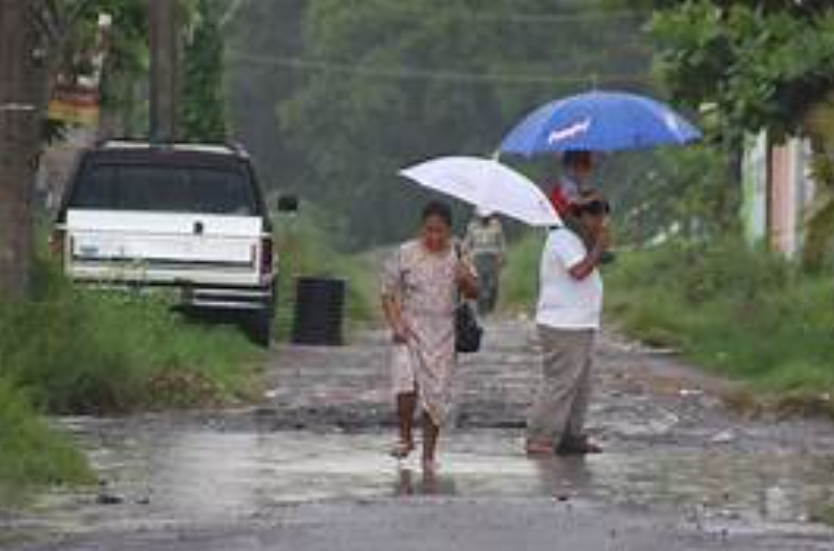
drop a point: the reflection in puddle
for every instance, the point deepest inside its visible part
(426, 483)
(203, 475)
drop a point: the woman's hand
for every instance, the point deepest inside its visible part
(400, 333)
(466, 280)
(462, 274)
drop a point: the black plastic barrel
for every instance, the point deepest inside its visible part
(319, 311)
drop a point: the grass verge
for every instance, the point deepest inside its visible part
(739, 312)
(81, 351)
(31, 453)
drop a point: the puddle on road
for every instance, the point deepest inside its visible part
(173, 475)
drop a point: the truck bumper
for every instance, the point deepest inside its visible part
(228, 298)
(244, 298)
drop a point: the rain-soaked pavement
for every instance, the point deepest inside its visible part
(307, 469)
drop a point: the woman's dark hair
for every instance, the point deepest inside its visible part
(439, 209)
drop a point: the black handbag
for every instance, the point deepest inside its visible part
(468, 332)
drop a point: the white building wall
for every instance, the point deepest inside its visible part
(754, 186)
(778, 189)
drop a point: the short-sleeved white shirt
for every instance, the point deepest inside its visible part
(566, 302)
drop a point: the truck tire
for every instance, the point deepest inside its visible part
(259, 327)
(258, 324)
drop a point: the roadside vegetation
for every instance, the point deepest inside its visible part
(738, 311)
(31, 453)
(82, 351)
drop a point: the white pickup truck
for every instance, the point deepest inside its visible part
(183, 216)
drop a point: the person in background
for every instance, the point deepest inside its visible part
(486, 245)
(421, 286)
(568, 318)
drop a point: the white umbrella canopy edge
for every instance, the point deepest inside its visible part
(488, 185)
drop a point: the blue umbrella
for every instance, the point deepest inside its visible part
(598, 121)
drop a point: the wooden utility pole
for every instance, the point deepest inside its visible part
(22, 62)
(164, 69)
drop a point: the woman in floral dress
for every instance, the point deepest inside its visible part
(421, 286)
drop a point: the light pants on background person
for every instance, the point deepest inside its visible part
(562, 402)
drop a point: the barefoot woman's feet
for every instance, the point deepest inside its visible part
(430, 466)
(402, 449)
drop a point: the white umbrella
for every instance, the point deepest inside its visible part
(487, 184)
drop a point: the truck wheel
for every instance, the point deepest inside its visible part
(259, 327)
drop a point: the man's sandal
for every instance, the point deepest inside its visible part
(539, 449)
(578, 445)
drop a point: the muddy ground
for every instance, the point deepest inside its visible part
(307, 468)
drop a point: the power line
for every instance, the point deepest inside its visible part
(412, 73)
(542, 18)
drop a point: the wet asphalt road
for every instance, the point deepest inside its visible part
(307, 469)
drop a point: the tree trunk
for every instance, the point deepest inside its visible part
(21, 106)
(818, 236)
(164, 70)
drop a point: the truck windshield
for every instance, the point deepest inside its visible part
(139, 187)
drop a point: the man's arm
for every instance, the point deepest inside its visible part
(592, 260)
(587, 266)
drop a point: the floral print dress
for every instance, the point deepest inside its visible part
(424, 283)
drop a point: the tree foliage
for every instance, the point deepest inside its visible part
(125, 75)
(765, 65)
(203, 110)
(762, 65)
(378, 84)
(672, 192)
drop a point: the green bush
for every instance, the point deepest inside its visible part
(740, 311)
(84, 351)
(32, 454)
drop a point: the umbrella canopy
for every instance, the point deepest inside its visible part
(598, 121)
(488, 185)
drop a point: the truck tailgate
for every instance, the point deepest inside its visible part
(161, 247)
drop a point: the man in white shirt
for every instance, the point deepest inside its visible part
(568, 318)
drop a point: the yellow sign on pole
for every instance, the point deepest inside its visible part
(75, 100)
(74, 105)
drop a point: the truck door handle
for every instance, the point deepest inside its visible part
(199, 228)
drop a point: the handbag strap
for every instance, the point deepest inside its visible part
(459, 256)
